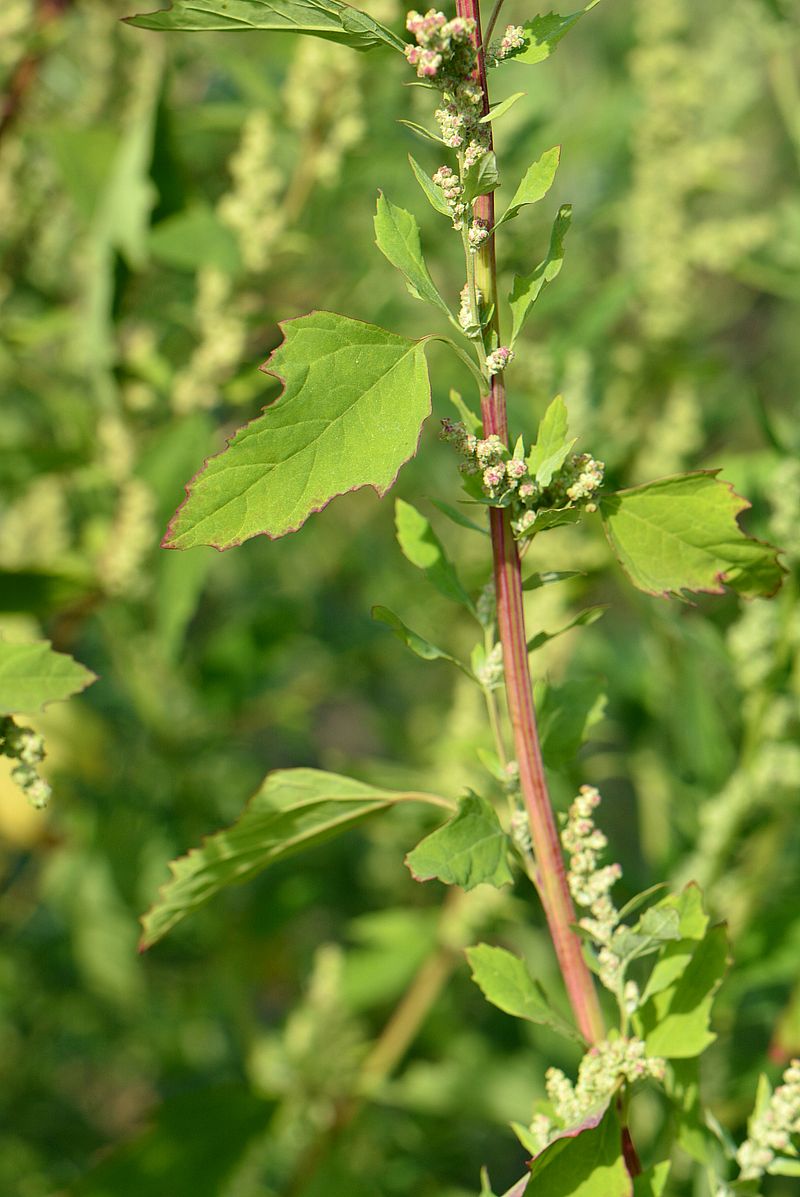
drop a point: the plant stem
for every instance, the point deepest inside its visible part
(553, 887)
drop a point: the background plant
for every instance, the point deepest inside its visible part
(169, 802)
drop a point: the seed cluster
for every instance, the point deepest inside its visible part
(590, 885)
(505, 478)
(513, 39)
(771, 1132)
(26, 747)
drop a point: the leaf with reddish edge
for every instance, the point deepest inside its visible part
(681, 534)
(584, 1161)
(354, 400)
(34, 674)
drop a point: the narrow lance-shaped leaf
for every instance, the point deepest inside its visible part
(543, 33)
(527, 288)
(681, 533)
(552, 446)
(502, 108)
(32, 675)
(294, 809)
(432, 193)
(354, 400)
(328, 19)
(418, 644)
(422, 547)
(471, 849)
(582, 620)
(397, 237)
(505, 981)
(536, 182)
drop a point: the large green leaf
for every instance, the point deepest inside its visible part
(354, 399)
(321, 18)
(470, 849)
(585, 1161)
(422, 547)
(293, 810)
(527, 288)
(505, 981)
(681, 533)
(543, 33)
(535, 184)
(32, 675)
(397, 237)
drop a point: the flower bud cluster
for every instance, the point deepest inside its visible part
(599, 1073)
(512, 40)
(453, 193)
(469, 321)
(26, 747)
(771, 1132)
(478, 233)
(497, 361)
(589, 884)
(443, 47)
(508, 482)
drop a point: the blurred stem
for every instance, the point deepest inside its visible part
(25, 72)
(553, 887)
(492, 21)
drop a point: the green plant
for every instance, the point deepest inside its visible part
(672, 536)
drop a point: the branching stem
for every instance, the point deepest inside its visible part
(551, 874)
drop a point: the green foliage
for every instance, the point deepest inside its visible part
(505, 981)
(293, 810)
(583, 1163)
(542, 34)
(431, 192)
(422, 547)
(527, 288)
(397, 237)
(470, 849)
(344, 382)
(481, 178)
(33, 675)
(551, 448)
(320, 18)
(534, 185)
(418, 644)
(682, 534)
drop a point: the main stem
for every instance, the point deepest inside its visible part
(551, 875)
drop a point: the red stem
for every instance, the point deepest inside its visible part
(552, 881)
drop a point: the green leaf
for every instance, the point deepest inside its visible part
(472, 422)
(421, 546)
(421, 647)
(551, 517)
(505, 981)
(196, 237)
(566, 713)
(527, 288)
(534, 581)
(536, 182)
(674, 1022)
(320, 18)
(681, 533)
(421, 131)
(458, 517)
(471, 849)
(781, 1166)
(32, 675)
(584, 619)
(432, 193)
(502, 108)
(354, 399)
(653, 1181)
(481, 178)
(543, 33)
(552, 447)
(293, 810)
(397, 237)
(586, 1161)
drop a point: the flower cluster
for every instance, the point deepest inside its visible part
(453, 193)
(771, 1131)
(589, 884)
(26, 747)
(512, 40)
(599, 1073)
(498, 359)
(469, 321)
(505, 478)
(478, 233)
(443, 47)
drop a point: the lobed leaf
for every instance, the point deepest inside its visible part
(470, 849)
(535, 184)
(354, 400)
(293, 810)
(33, 675)
(397, 237)
(543, 33)
(505, 981)
(527, 288)
(421, 546)
(329, 19)
(681, 533)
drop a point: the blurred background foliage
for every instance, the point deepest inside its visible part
(164, 202)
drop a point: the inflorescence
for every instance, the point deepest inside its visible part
(504, 478)
(589, 884)
(771, 1131)
(512, 41)
(26, 747)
